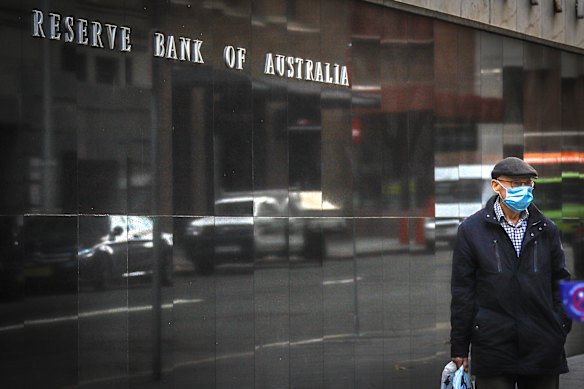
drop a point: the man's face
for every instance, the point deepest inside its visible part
(501, 184)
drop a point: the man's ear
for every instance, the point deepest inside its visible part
(495, 186)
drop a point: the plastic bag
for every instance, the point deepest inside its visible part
(461, 379)
(453, 378)
(448, 375)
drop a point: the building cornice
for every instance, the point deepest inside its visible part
(552, 23)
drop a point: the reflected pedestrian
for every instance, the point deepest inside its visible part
(506, 307)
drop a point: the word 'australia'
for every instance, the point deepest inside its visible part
(306, 69)
(80, 31)
(185, 50)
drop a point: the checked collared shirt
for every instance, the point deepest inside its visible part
(515, 232)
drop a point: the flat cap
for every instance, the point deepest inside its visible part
(513, 167)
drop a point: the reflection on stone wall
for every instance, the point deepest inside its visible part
(190, 225)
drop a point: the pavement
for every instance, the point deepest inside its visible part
(575, 378)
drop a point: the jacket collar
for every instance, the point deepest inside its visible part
(535, 215)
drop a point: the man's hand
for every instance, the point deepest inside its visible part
(461, 361)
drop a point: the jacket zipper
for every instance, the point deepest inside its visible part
(535, 264)
(497, 255)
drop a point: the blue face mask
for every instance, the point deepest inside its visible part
(518, 199)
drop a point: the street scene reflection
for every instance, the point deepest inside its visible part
(365, 290)
(56, 250)
(234, 241)
(165, 223)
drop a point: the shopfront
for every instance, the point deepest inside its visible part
(258, 194)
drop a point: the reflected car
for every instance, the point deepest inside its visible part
(212, 240)
(125, 251)
(100, 253)
(266, 238)
(440, 232)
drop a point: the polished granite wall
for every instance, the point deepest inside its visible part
(172, 224)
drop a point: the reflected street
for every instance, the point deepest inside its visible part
(208, 325)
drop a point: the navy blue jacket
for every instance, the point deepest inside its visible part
(508, 308)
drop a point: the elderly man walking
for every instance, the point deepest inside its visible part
(506, 307)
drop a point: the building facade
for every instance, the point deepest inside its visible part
(264, 194)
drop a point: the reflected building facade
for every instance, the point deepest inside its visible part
(188, 218)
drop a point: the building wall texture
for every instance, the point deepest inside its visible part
(552, 21)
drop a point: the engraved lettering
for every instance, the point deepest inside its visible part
(82, 38)
(80, 31)
(69, 34)
(234, 57)
(308, 76)
(111, 34)
(240, 57)
(305, 69)
(269, 64)
(344, 76)
(229, 56)
(96, 35)
(290, 66)
(299, 62)
(185, 49)
(37, 24)
(336, 74)
(170, 48)
(54, 26)
(158, 44)
(327, 73)
(318, 72)
(125, 39)
(280, 64)
(198, 57)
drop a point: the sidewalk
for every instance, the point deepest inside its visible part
(575, 378)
